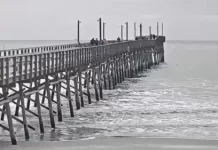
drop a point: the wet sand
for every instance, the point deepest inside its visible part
(117, 144)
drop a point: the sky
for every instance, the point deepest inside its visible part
(57, 19)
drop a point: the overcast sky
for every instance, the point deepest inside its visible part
(57, 19)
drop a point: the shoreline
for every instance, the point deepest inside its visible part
(127, 143)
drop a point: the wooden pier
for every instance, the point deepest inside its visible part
(39, 76)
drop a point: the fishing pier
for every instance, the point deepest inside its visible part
(43, 76)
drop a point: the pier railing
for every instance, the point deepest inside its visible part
(30, 50)
(50, 60)
(20, 51)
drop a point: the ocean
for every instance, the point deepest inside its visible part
(178, 98)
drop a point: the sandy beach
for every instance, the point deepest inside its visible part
(117, 144)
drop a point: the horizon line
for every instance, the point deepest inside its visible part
(88, 40)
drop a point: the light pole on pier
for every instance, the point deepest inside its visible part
(121, 32)
(104, 30)
(140, 30)
(149, 30)
(157, 29)
(78, 34)
(99, 29)
(134, 30)
(127, 30)
(162, 29)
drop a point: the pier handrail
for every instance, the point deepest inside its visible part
(20, 51)
(28, 66)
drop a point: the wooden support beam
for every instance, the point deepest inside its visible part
(109, 74)
(87, 87)
(49, 102)
(18, 102)
(104, 76)
(99, 76)
(9, 117)
(17, 119)
(31, 91)
(85, 81)
(61, 95)
(113, 75)
(4, 127)
(53, 92)
(17, 108)
(131, 66)
(37, 102)
(3, 114)
(28, 97)
(80, 88)
(26, 132)
(44, 95)
(117, 71)
(69, 94)
(43, 106)
(122, 68)
(125, 65)
(94, 81)
(31, 112)
(76, 93)
(58, 91)
(10, 98)
(2, 102)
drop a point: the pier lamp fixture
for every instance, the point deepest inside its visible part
(78, 30)
(134, 30)
(121, 32)
(140, 26)
(127, 31)
(100, 39)
(162, 29)
(104, 30)
(149, 30)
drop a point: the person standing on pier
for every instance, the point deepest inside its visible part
(92, 42)
(118, 39)
(105, 41)
(96, 41)
(154, 36)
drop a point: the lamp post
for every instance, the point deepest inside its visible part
(78, 34)
(121, 32)
(135, 30)
(99, 29)
(162, 29)
(157, 29)
(140, 30)
(127, 30)
(149, 30)
(104, 30)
